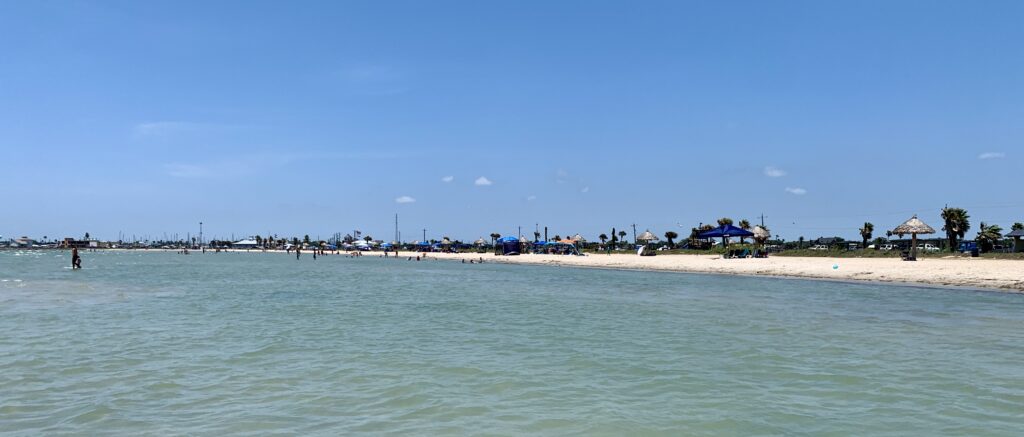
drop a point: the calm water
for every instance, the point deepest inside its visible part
(146, 343)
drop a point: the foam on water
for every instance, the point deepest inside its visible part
(159, 343)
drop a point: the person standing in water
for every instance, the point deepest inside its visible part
(76, 261)
(297, 252)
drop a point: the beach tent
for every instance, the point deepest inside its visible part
(726, 231)
(913, 227)
(507, 246)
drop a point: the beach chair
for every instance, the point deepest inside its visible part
(745, 253)
(905, 256)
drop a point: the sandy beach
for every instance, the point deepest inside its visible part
(962, 272)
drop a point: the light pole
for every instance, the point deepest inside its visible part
(200, 234)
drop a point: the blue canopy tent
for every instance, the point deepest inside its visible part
(726, 231)
(423, 246)
(507, 246)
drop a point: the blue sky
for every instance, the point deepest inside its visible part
(468, 118)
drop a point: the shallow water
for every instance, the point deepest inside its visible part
(160, 343)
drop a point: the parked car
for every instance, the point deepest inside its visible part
(819, 247)
(967, 246)
(888, 247)
(928, 247)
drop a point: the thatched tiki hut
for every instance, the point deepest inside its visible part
(647, 237)
(913, 227)
(761, 235)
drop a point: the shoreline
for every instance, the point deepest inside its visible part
(955, 273)
(1001, 275)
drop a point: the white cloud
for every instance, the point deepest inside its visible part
(992, 155)
(585, 190)
(773, 172)
(448, 178)
(797, 191)
(404, 199)
(531, 198)
(483, 181)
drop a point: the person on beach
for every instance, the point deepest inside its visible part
(76, 261)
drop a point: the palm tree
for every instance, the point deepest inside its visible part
(801, 242)
(259, 240)
(603, 238)
(888, 234)
(671, 236)
(368, 238)
(622, 235)
(558, 238)
(305, 240)
(724, 221)
(1016, 227)
(745, 225)
(494, 236)
(86, 235)
(988, 236)
(957, 224)
(865, 233)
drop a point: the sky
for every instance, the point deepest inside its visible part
(467, 118)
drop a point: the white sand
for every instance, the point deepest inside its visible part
(963, 272)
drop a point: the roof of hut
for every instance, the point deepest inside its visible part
(913, 226)
(647, 236)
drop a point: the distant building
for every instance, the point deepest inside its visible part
(245, 244)
(24, 242)
(828, 241)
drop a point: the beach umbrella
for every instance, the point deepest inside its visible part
(446, 241)
(913, 227)
(480, 242)
(578, 238)
(523, 240)
(647, 236)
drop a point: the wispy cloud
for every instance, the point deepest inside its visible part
(585, 190)
(531, 198)
(188, 171)
(160, 128)
(234, 167)
(774, 172)
(482, 181)
(992, 155)
(561, 176)
(404, 199)
(797, 191)
(448, 179)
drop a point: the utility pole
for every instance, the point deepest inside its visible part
(762, 220)
(396, 228)
(424, 235)
(200, 234)
(634, 233)
(520, 232)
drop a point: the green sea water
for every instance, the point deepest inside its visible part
(261, 344)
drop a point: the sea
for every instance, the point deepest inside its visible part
(146, 343)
